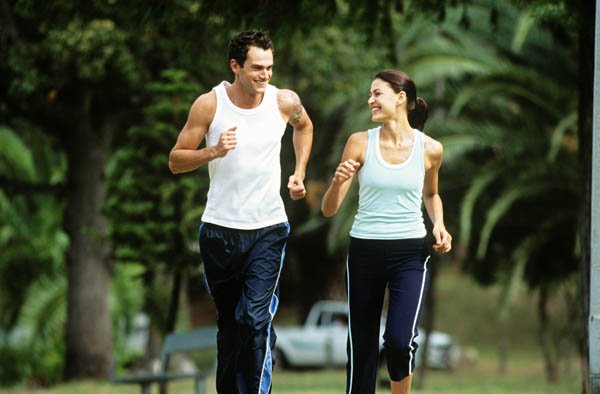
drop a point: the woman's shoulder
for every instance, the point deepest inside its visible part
(433, 148)
(356, 146)
(359, 137)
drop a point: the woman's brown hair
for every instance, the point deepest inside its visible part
(417, 106)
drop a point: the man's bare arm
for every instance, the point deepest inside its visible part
(185, 155)
(294, 113)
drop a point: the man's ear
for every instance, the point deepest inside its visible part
(234, 65)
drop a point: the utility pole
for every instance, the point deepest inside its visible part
(594, 318)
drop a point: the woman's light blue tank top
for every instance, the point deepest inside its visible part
(390, 195)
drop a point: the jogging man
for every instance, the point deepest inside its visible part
(244, 226)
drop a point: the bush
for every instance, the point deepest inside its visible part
(10, 362)
(37, 367)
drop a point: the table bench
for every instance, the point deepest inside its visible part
(178, 342)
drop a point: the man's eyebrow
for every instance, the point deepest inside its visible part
(260, 66)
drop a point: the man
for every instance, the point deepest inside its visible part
(244, 226)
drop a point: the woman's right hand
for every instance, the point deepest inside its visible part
(345, 171)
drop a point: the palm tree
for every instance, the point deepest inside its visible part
(514, 125)
(32, 243)
(32, 246)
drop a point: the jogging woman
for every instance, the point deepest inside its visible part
(397, 166)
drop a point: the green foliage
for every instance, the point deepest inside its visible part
(32, 244)
(90, 51)
(25, 362)
(10, 362)
(52, 71)
(153, 213)
(126, 301)
(276, 16)
(516, 175)
(16, 159)
(146, 203)
(32, 248)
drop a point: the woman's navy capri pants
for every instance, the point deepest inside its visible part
(373, 265)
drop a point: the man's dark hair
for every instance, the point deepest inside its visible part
(239, 45)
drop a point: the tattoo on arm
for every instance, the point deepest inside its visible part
(289, 102)
(297, 115)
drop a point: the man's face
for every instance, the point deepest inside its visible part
(257, 70)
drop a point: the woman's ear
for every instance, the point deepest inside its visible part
(401, 97)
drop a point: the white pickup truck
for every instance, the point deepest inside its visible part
(321, 341)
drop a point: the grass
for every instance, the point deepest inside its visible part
(464, 309)
(525, 376)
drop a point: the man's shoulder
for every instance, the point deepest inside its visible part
(204, 107)
(206, 101)
(287, 96)
(288, 100)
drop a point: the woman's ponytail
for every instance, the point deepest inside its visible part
(416, 106)
(417, 116)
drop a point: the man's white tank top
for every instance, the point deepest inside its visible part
(390, 195)
(245, 184)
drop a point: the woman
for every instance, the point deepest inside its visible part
(397, 169)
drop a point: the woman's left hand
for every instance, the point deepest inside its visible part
(443, 239)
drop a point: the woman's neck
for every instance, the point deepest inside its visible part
(398, 131)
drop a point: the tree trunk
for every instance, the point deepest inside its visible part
(587, 9)
(546, 342)
(88, 332)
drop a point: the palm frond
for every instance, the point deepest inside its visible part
(525, 23)
(17, 158)
(491, 86)
(478, 186)
(510, 289)
(501, 206)
(10, 212)
(457, 145)
(568, 122)
(45, 309)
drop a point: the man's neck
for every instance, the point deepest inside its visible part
(242, 98)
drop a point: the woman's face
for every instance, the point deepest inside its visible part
(383, 101)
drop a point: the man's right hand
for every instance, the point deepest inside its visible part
(227, 142)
